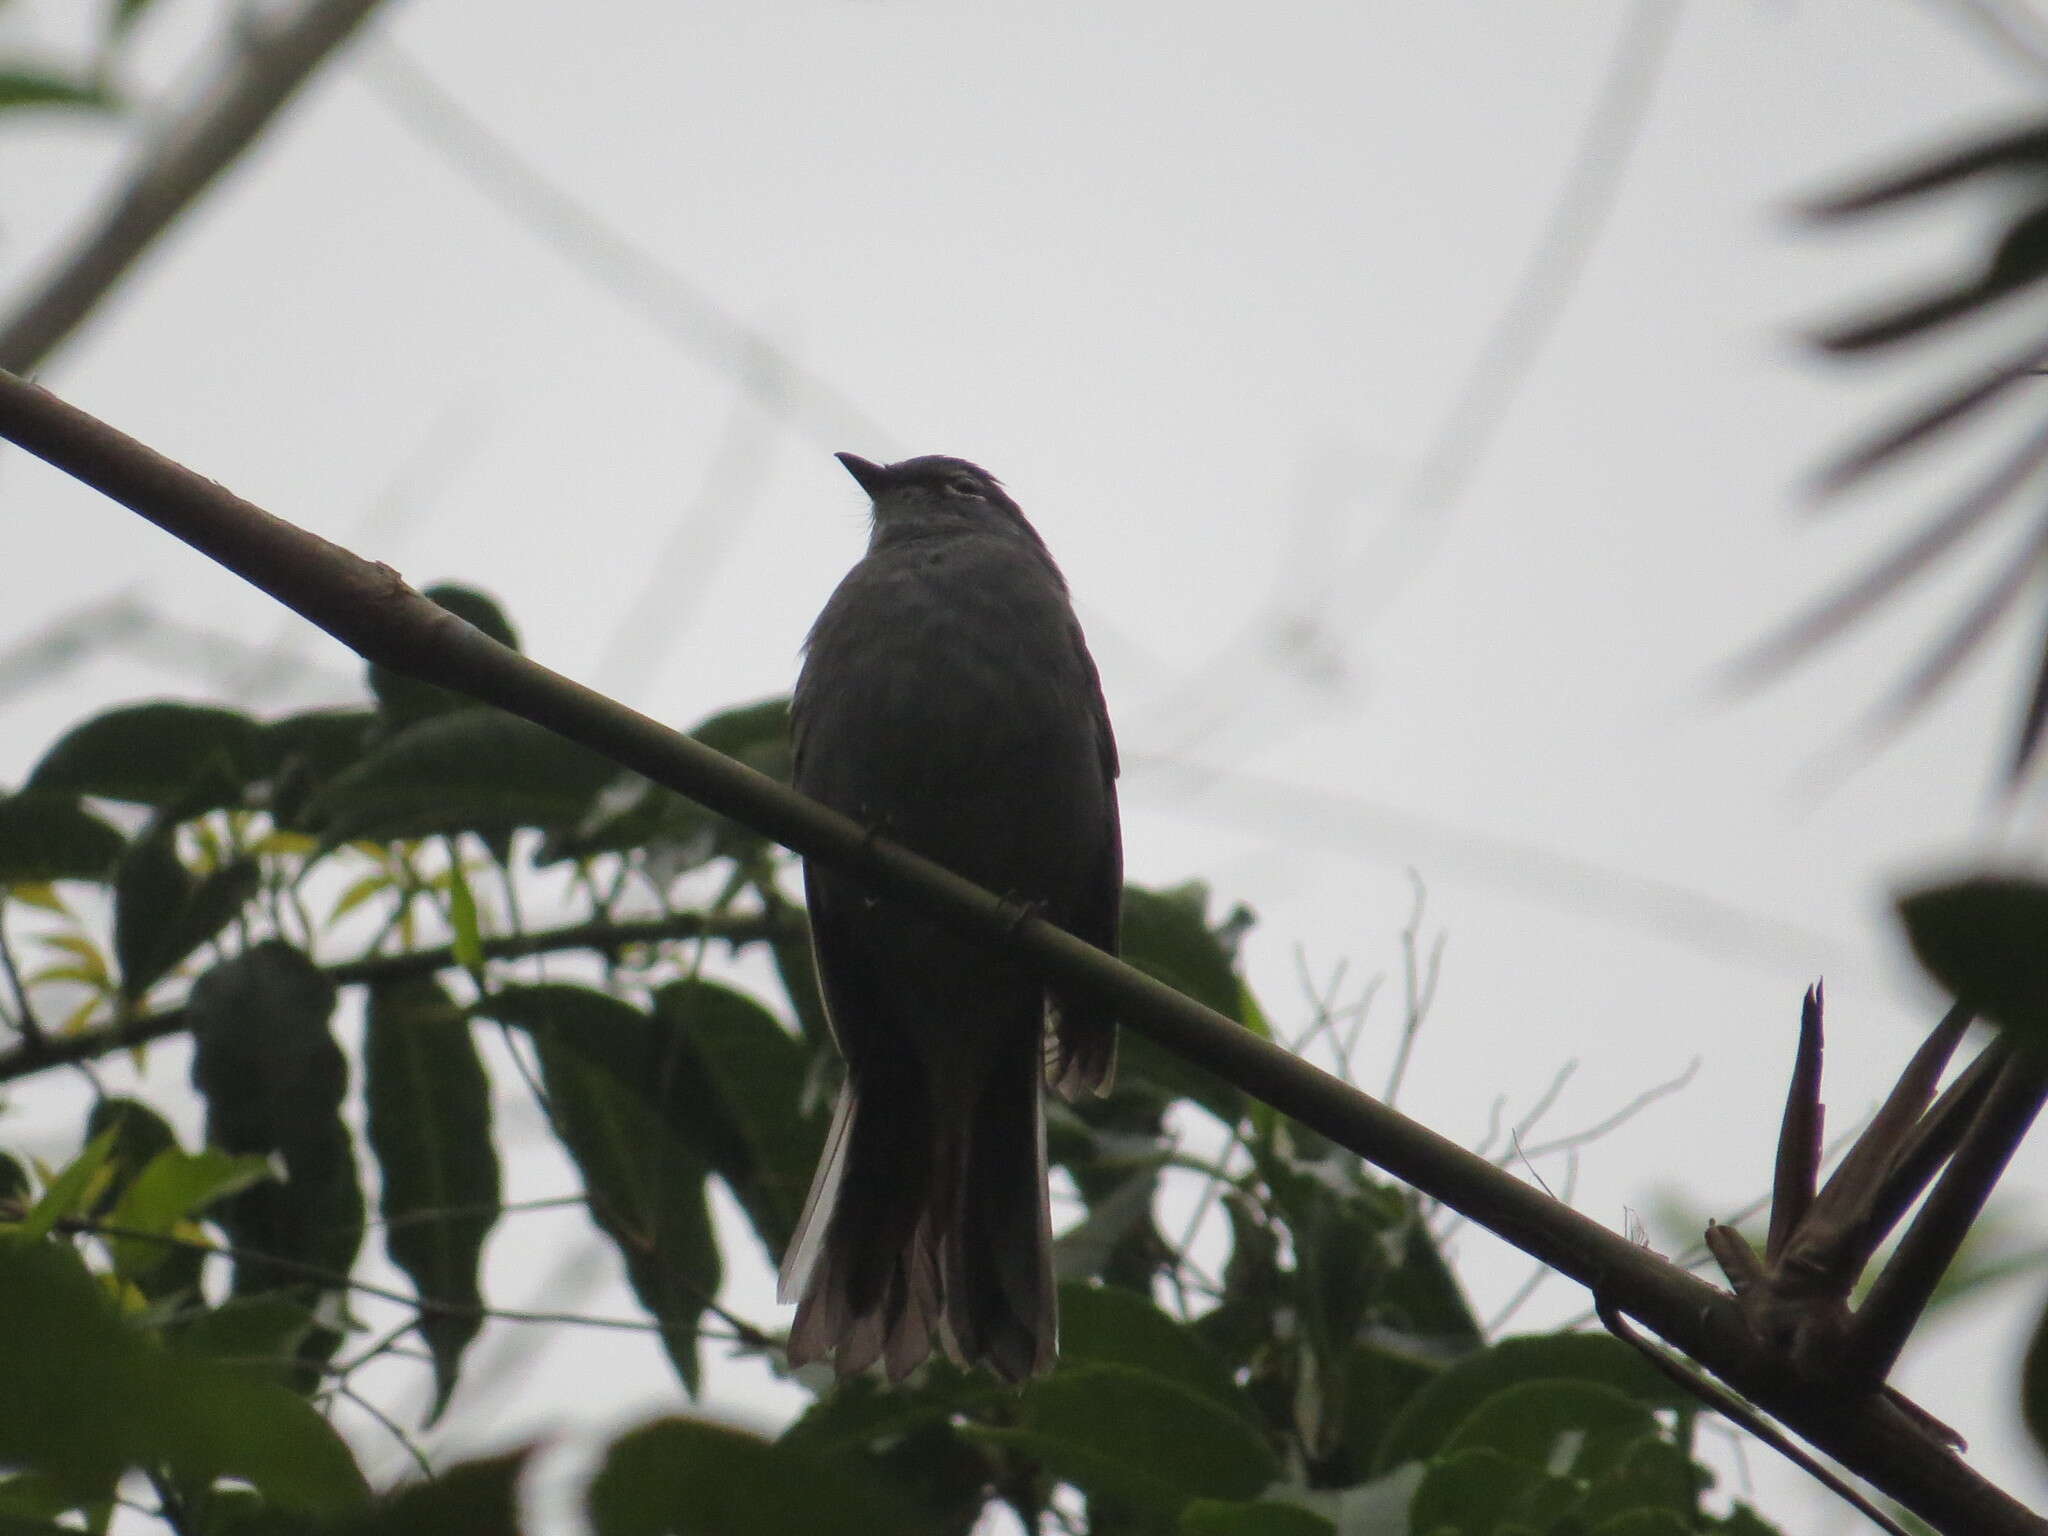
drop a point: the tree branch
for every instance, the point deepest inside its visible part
(263, 68)
(372, 611)
(42, 1051)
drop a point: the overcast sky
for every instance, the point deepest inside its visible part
(1393, 559)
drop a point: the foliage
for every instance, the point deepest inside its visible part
(263, 883)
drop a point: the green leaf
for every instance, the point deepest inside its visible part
(127, 13)
(429, 1105)
(47, 835)
(1107, 1325)
(756, 734)
(686, 1475)
(140, 1133)
(303, 752)
(69, 1194)
(467, 943)
(1429, 1422)
(1127, 1433)
(473, 770)
(1257, 1517)
(173, 1187)
(471, 1498)
(861, 1413)
(191, 756)
(402, 700)
(89, 1394)
(1561, 1427)
(609, 1071)
(1644, 1522)
(735, 1085)
(1482, 1491)
(162, 911)
(261, 1336)
(1651, 1475)
(1167, 935)
(273, 1077)
(1982, 938)
(23, 86)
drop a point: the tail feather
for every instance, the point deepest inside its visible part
(1001, 1306)
(927, 1229)
(854, 1263)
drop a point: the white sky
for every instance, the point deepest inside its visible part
(1202, 289)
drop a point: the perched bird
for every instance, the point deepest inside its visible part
(948, 701)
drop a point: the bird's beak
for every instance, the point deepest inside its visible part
(870, 476)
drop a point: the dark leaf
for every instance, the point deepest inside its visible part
(127, 13)
(1482, 1490)
(88, 1395)
(799, 976)
(162, 911)
(2034, 1385)
(1126, 1433)
(22, 86)
(190, 756)
(471, 770)
(2033, 719)
(261, 1336)
(1930, 421)
(429, 1109)
(632, 814)
(2023, 150)
(48, 835)
(471, 1498)
(756, 734)
(1578, 1428)
(1644, 1522)
(685, 1475)
(1260, 1517)
(402, 700)
(1167, 935)
(140, 1133)
(2020, 261)
(1426, 1427)
(1106, 1325)
(303, 752)
(676, 834)
(273, 1077)
(609, 1072)
(1982, 938)
(1915, 557)
(908, 1432)
(737, 1086)
(1651, 1476)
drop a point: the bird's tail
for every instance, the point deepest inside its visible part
(926, 1230)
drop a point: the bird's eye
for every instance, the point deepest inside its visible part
(962, 485)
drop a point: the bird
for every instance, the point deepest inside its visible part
(947, 700)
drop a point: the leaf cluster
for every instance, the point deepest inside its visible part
(192, 1316)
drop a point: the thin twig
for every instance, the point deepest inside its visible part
(736, 929)
(1734, 1409)
(261, 68)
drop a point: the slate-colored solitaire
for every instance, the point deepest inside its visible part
(948, 701)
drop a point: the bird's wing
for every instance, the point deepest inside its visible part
(1081, 1044)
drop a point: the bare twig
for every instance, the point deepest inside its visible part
(261, 70)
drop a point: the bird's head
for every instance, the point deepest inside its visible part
(936, 495)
